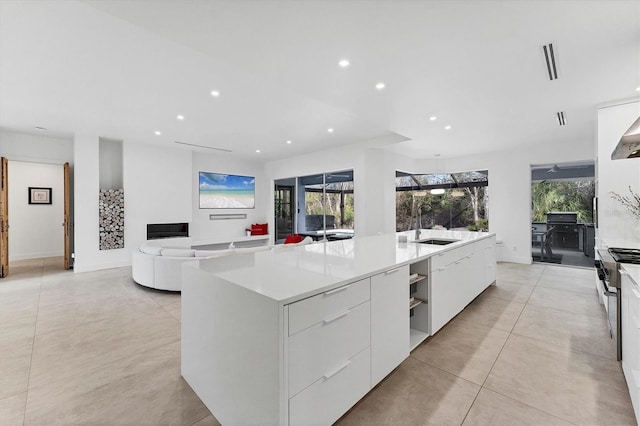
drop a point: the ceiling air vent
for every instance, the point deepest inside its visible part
(561, 118)
(550, 58)
(202, 146)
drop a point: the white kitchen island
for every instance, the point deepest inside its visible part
(298, 335)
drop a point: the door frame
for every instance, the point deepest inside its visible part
(4, 218)
(67, 215)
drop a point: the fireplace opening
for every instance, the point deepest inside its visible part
(167, 230)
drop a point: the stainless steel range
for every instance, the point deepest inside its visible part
(608, 266)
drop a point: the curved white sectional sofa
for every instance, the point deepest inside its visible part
(158, 263)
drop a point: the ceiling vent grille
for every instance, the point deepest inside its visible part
(550, 59)
(203, 146)
(561, 118)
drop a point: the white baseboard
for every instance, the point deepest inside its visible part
(39, 255)
(526, 260)
(99, 266)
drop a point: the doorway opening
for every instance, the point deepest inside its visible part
(284, 207)
(562, 217)
(35, 202)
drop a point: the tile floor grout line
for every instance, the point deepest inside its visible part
(528, 405)
(440, 369)
(96, 321)
(33, 345)
(106, 363)
(566, 312)
(565, 347)
(482, 386)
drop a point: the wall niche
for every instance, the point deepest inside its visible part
(111, 195)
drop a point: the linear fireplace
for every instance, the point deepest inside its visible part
(167, 230)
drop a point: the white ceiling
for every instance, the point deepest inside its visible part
(123, 69)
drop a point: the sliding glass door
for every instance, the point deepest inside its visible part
(320, 206)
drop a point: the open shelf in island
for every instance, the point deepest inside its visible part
(416, 337)
(414, 301)
(417, 279)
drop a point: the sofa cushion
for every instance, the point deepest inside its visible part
(177, 252)
(149, 249)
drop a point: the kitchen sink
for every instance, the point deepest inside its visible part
(436, 241)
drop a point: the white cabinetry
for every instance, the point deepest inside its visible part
(489, 251)
(451, 274)
(631, 339)
(329, 353)
(301, 348)
(457, 277)
(389, 322)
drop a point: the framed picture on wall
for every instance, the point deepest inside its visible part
(39, 195)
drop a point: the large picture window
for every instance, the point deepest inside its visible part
(442, 200)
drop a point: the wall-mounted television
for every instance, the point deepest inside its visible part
(220, 191)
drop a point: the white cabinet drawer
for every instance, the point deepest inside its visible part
(440, 260)
(307, 312)
(330, 397)
(325, 345)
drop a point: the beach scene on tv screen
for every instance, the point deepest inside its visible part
(220, 191)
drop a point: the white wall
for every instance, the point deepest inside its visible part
(373, 179)
(156, 188)
(25, 147)
(228, 229)
(35, 229)
(616, 225)
(510, 188)
(33, 148)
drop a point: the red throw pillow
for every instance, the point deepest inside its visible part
(292, 239)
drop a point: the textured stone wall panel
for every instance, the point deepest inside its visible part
(111, 219)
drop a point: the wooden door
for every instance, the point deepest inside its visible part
(67, 221)
(4, 220)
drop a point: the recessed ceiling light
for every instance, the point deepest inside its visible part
(437, 191)
(289, 142)
(258, 151)
(638, 89)
(447, 127)
(436, 155)
(158, 132)
(180, 117)
(433, 118)
(215, 93)
(380, 86)
(40, 128)
(330, 130)
(343, 63)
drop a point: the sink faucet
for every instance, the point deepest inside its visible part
(418, 223)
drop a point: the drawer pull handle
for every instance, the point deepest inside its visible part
(336, 290)
(391, 272)
(337, 370)
(335, 317)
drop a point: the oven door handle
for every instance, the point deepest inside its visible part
(605, 287)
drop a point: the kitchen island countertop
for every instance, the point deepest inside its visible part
(290, 273)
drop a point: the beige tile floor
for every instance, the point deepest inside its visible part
(97, 349)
